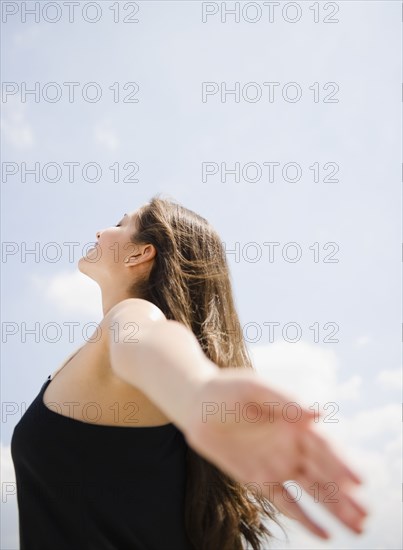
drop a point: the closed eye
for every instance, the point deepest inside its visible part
(119, 224)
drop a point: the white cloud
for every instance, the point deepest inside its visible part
(369, 424)
(309, 372)
(350, 388)
(7, 468)
(9, 510)
(71, 292)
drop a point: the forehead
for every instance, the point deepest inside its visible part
(131, 217)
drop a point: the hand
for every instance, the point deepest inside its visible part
(260, 444)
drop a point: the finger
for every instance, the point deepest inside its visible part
(319, 450)
(325, 490)
(334, 498)
(288, 505)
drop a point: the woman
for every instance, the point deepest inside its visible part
(168, 359)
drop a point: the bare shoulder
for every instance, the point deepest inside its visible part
(136, 308)
(131, 316)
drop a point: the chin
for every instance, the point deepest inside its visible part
(85, 267)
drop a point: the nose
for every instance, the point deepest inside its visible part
(98, 233)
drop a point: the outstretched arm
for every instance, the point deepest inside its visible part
(260, 446)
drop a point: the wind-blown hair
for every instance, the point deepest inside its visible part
(190, 283)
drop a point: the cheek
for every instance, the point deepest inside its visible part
(108, 242)
(113, 250)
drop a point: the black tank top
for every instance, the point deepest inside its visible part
(83, 486)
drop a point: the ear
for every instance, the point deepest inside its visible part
(148, 251)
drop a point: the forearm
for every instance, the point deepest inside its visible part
(167, 364)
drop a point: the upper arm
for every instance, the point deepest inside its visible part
(128, 322)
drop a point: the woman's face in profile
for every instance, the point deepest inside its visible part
(106, 260)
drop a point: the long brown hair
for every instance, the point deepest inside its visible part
(190, 283)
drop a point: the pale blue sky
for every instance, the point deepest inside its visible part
(169, 134)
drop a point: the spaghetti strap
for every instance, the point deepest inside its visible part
(69, 358)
